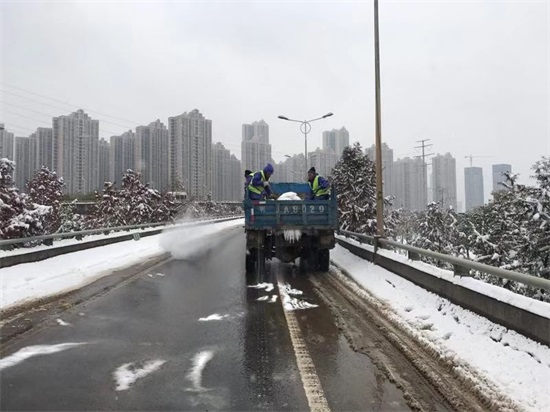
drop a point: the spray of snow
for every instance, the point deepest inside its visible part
(273, 299)
(30, 351)
(199, 361)
(186, 243)
(291, 235)
(128, 373)
(267, 286)
(214, 316)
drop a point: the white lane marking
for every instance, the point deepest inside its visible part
(128, 373)
(262, 298)
(195, 374)
(62, 322)
(267, 286)
(214, 316)
(30, 351)
(310, 380)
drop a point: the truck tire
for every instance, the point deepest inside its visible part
(324, 260)
(250, 261)
(260, 261)
(302, 265)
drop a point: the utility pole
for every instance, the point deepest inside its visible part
(379, 190)
(423, 146)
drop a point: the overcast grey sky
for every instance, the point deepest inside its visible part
(472, 76)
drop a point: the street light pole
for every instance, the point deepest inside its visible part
(379, 190)
(305, 128)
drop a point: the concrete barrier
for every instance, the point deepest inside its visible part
(527, 323)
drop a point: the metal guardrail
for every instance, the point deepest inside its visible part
(459, 264)
(170, 225)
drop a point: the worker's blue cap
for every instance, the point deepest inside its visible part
(268, 169)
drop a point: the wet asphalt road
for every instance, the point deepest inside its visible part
(250, 362)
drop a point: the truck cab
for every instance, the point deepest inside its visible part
(290, 229)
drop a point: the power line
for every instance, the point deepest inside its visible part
(61, 108)
(423, 146)
(65, 103)
(47, 115)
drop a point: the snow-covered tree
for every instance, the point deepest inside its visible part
(70, 221)
(436, 229)
(135, 203)
(45, 189)
(19, 216)
(355, 181)
(108, 209)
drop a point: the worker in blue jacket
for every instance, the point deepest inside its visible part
(259, 189)
(247, 178)
(320, 187)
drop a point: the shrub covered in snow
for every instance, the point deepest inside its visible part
(45, 189)
(19, 216)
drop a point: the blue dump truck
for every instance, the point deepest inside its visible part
(290, 229)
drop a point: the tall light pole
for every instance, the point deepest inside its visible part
(379, 191)
(305, 128)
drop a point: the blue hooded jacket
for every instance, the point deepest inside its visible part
(259, 183)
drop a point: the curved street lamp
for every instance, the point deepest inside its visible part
(305, 128)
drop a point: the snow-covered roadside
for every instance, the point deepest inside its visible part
(30, 281)
(493, 291)
(519, 366)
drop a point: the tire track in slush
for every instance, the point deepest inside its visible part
(428, 384)
(310, 380)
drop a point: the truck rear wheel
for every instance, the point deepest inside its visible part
(324, 260)
(250, 261)
(260, 261)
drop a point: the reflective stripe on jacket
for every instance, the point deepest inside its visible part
(317, 189)
(257, 189)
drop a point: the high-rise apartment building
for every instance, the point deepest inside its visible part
(24, 151)
(473, 185)
(388, 177)
(152, 155)
(336, 139)
(323, 161)
(121, 156)
(498, 175)
(104, 162)
(236, 179)
(75, 151)
(191, 152)
(44, 148)
(444, 180)
(227, 175)
(221, 172)
(255, 147)
(6, 143)
(410, 184)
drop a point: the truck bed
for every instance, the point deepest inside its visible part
(291, 214)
